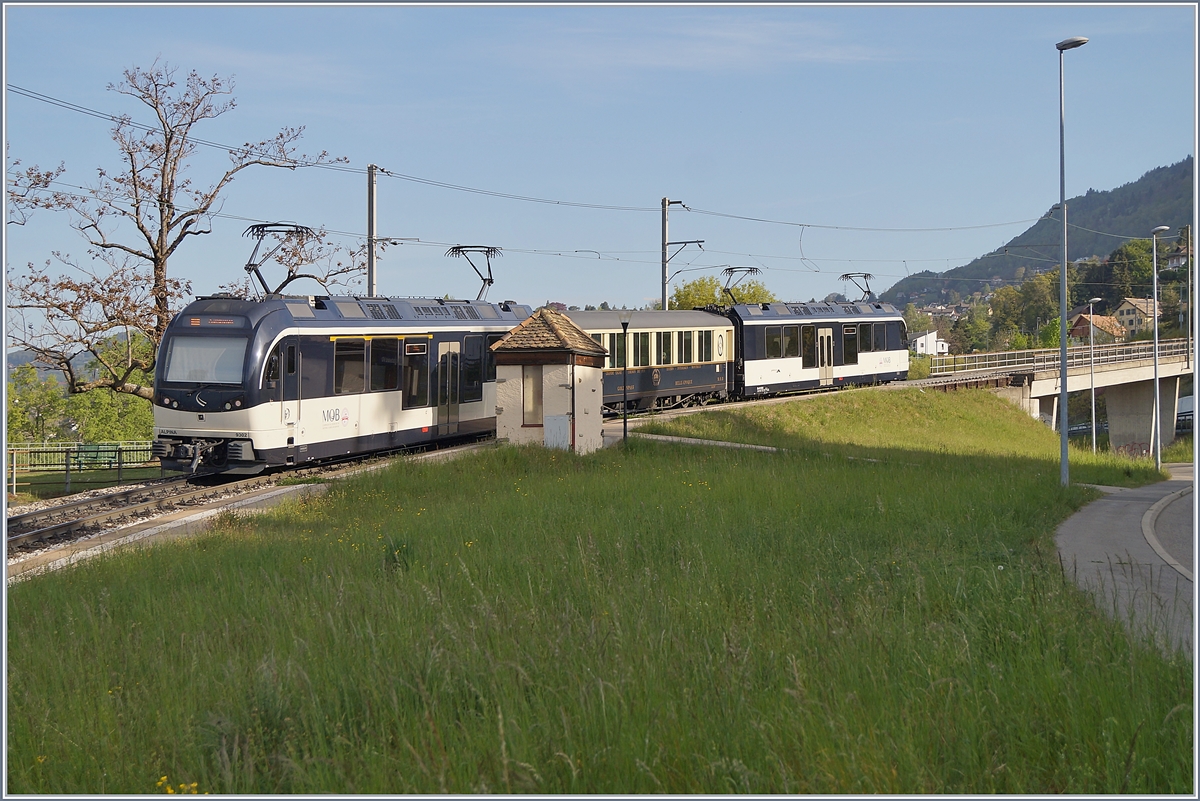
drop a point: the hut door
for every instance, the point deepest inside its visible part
(825, 355)
(448, 384)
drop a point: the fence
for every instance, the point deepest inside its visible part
(1048, 358)
(46, 467)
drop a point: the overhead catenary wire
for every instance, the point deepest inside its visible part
(125, 119)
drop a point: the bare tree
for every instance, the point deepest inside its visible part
(27, 190)
(134, 219)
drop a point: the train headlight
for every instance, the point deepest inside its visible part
(228, 406)
(165, 401)
(175, 404)
(238, 403)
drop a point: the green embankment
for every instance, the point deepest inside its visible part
(660, 619)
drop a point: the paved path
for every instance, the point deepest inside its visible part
(1133, 548)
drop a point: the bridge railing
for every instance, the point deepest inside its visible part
(1047, 358)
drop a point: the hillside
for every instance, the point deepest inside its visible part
(1162, 196)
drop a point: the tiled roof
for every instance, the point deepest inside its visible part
(547, 329)
(1144, 305)
(1109, 325)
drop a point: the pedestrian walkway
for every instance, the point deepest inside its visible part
(1133, 549)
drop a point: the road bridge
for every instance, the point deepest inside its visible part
(1030, 379)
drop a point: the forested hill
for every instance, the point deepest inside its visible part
(1162, 196)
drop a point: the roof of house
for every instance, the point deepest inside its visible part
(547, 329)
(1109, 325)
(1144, 305)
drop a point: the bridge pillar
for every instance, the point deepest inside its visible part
(1048, 411)
(1130, 412)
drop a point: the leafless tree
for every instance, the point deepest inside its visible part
(133, 219)
(28, 190)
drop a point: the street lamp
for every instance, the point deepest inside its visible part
(1092, 365)
(625, 315)
(1064, 470)
(1156, 433)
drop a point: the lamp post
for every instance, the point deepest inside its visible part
(1064, 469)
(625, 316)
(1156, 432)
(1092, 365)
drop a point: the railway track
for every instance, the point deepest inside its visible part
(68, 521)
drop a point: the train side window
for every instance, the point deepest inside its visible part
(864, 337)
(662, 341)
(489, 358)
(641, 349)
(385, 364)
(705, 346)
(791, 341)
(879, 337)
(774, 342)
(314, 367)
(903, 343)
(849, 344)
(472, 369)
(683, 347)
(616, 350)
(416, 373)
(291, 359)
(808, 345)
(271, 375)
(349, 366)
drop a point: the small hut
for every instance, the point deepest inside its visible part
(549, 384)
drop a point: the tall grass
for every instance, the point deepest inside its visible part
(656, 619)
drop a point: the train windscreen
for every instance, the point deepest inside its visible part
(206, 360)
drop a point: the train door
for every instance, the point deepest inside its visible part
(449, 358)
(825, 355)
(289, 367)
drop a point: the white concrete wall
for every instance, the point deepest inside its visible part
(588, 422)
(560, 406)
(510, 410)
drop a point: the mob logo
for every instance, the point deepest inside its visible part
(331, 415)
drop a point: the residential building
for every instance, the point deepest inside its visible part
(1108, 329)
(928, 342)
(1134, 315)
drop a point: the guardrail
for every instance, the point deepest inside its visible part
(1045, 359)
(46, 465)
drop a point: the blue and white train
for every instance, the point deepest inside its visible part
(244, 385)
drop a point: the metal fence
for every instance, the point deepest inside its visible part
(78, 464)
(1048, 358)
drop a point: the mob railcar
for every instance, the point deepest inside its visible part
(792, 347)
(242, 385)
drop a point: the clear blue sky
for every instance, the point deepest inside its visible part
(854, 116)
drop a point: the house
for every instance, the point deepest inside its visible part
(1108, 329)
(927, 342)
(549, 384)
(1134, 315)
(1180, 258)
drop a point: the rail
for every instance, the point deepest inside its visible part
(1045, 359)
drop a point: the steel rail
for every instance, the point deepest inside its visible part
(27, 519)
(167, 501)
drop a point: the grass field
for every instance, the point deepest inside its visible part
(879, 609)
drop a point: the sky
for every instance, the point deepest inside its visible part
(832, 118)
